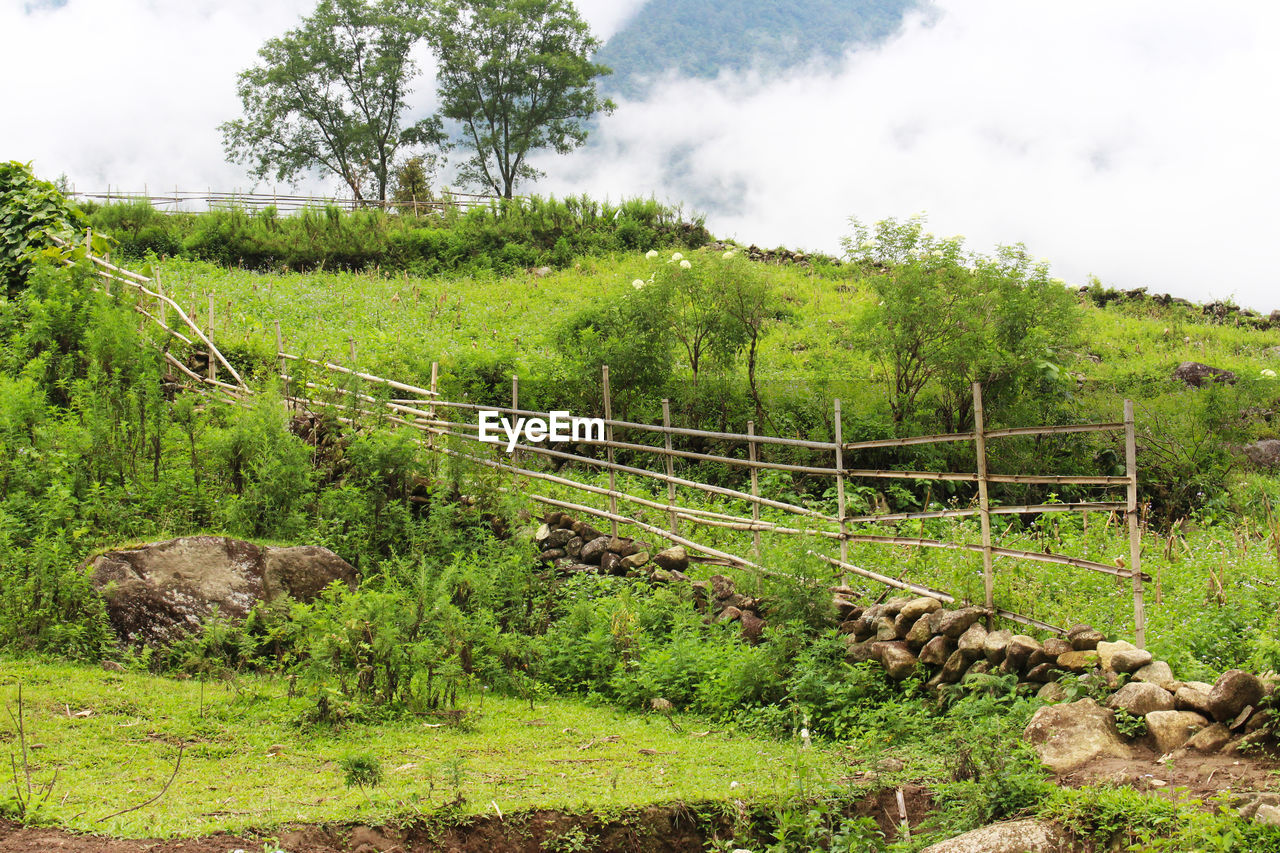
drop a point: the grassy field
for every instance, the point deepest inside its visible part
(401, 324)
(113, 739)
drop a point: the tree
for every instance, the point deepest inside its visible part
(945, 319)
(330, 95)
(517, 76)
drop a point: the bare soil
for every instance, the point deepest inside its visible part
(675, 828)
(1190, 775)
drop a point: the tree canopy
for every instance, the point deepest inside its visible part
(517, 76)
(331, 94)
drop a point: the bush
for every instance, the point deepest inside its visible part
(32, 211)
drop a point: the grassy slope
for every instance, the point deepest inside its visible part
(402, 324)
(442, 317)
(554, 756)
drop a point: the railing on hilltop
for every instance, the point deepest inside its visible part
(426, 412)
(285, 202)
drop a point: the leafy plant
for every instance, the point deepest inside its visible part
(31, 212)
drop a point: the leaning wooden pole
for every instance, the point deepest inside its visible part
(984, 501)
(1135, 534)
(755, 488)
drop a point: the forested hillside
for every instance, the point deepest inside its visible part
(702, 38)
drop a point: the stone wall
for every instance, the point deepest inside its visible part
(917, 635)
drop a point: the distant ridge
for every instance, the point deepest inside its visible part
(701, 38)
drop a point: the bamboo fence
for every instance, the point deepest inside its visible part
(426, 411)
(283, 202)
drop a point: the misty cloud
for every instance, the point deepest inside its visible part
(1134, 141)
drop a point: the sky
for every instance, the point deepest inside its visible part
(1132, 141)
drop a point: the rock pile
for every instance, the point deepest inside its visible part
(573, 546)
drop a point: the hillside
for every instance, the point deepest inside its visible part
(703, 38)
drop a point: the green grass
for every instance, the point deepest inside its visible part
(562, 754)
(402, 323)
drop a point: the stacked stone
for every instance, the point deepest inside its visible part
(905, 633)
(722, 603)
(574, 546)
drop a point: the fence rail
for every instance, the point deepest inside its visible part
(284, 202)
(427, 412)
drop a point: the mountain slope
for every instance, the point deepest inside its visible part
(701, 38)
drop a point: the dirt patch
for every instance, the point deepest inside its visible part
(1187, 775)
(668, 828)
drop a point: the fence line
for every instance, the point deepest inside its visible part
(421, 412)
(287, 202)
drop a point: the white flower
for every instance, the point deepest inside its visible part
(638, 283)
(733, 785)
(867, 244)
(677, 256)
(727, 255)
(684, 265)
(651, 254)
(1268, 373)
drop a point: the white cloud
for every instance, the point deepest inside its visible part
(1132, 140)
(1129, 140)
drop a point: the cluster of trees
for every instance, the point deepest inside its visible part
(513, 77)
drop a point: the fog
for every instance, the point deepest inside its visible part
(1130, 141)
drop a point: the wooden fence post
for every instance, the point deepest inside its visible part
(840, 505)
(280, 355)
(1135, 535)
(984, 501)
(673, 522)
(608, 437)
(755, 487)
(213, 363)
(515, 404)
(431, 410)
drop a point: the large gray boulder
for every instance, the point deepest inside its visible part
(158, 593)
(1015, 836)
(1195, 374)
(1067, 736)
(1141, 698)
(1264, 454)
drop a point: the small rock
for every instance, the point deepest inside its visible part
(1055, 647)
(1078, 661)
(1130, 660)
(1041, 673)
(1052, 692)
(890, 765)
(1084, 638)
(622, 547)
(112, 666)
(886, 628)
(611, 564)
(917, 607)
(1019, 652)
(634, 561)
(1140, 698)
(972, 642)
(955, 666)
(953, 623)
(1106, 651)
(1171, 729)
(1194, 696)
(995, 645)
(919, 633)
(752, 626)
(673, 559)
(859, 652)
(897, 660)
(595, 549)
(1241, 718)
(1233, 690)
(937, 651)
(729, 614)
(1210, 739)
(1157, 672)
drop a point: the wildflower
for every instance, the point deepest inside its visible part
(677, 256)
(638, 283)
(867, 244)
(727, 255)
(651, 254)
(684, 265)
(1268, 373)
